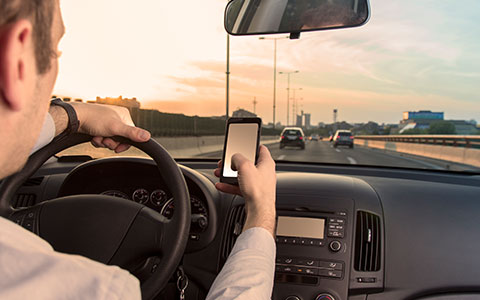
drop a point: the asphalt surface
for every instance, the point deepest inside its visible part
(323, 151)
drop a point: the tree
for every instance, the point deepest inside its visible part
(414, 131)
(441, 127)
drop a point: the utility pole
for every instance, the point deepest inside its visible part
(227, 96)
(274, 71)
(255, 105)
(294, 104)
(335, 111)
(288, 93)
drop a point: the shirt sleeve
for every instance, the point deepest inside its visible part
(31, 269)
(249, 270)
(46, 134)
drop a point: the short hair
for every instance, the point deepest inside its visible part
(40, 13)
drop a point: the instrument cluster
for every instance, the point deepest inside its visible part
(162, 202)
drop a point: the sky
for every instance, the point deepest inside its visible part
(171, 56)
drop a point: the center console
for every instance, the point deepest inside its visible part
(313, 255)
(328, 236)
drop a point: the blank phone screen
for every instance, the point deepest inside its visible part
(241, 138)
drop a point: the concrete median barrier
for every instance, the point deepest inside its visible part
(462, 155)
(180, 147)
(196, 146)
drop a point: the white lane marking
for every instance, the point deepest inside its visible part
(337, 150)
(281, 157)
(351, 160)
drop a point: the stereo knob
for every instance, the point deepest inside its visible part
(325, 296)
(335, 246)
(292, 298)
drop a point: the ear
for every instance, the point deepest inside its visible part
(17, 64)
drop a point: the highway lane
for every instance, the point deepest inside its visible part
(323, 151)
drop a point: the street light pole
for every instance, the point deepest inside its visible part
(274, 71)
(227, 96)
(288, 100)
(274, 79)
(288, 93)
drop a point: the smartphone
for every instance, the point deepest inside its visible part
(242, 136)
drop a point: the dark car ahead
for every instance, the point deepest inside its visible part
(343, 137)
(292, 136)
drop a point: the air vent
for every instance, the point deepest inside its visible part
(367, 242)
(33, 181)
(234, 229)
(24, 200)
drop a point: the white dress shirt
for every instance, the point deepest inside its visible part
(31, 269)
(46, 135)
(248, 271)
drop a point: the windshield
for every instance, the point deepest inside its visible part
(405, 84)
(292, 132)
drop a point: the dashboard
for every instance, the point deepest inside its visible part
(162, 202)
(137, 179)
(342, 232)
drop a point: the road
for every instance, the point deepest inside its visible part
(323, 151)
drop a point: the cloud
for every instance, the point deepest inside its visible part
(412, 54)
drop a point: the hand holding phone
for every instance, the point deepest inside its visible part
(242, 136)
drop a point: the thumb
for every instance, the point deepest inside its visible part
(264, 156)
(238, 160)
(136, 134)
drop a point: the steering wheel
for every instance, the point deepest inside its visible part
(107, 229)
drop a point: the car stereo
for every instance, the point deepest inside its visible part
(311, 247)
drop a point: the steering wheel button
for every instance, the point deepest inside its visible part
(28, 225)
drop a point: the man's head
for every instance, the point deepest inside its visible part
(30, 31)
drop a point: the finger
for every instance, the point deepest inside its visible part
(122, 148)
(219, 164)
(111, 144)
(216, 172)
(97, 142)
(228, 188)
(133, 133)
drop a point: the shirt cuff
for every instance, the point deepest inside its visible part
(46, 134)
(256, 238)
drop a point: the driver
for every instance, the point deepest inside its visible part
(30, 31)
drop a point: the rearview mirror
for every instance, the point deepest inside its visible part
(246, 17)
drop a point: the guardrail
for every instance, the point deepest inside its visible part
(467, 141)
(463, 149)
